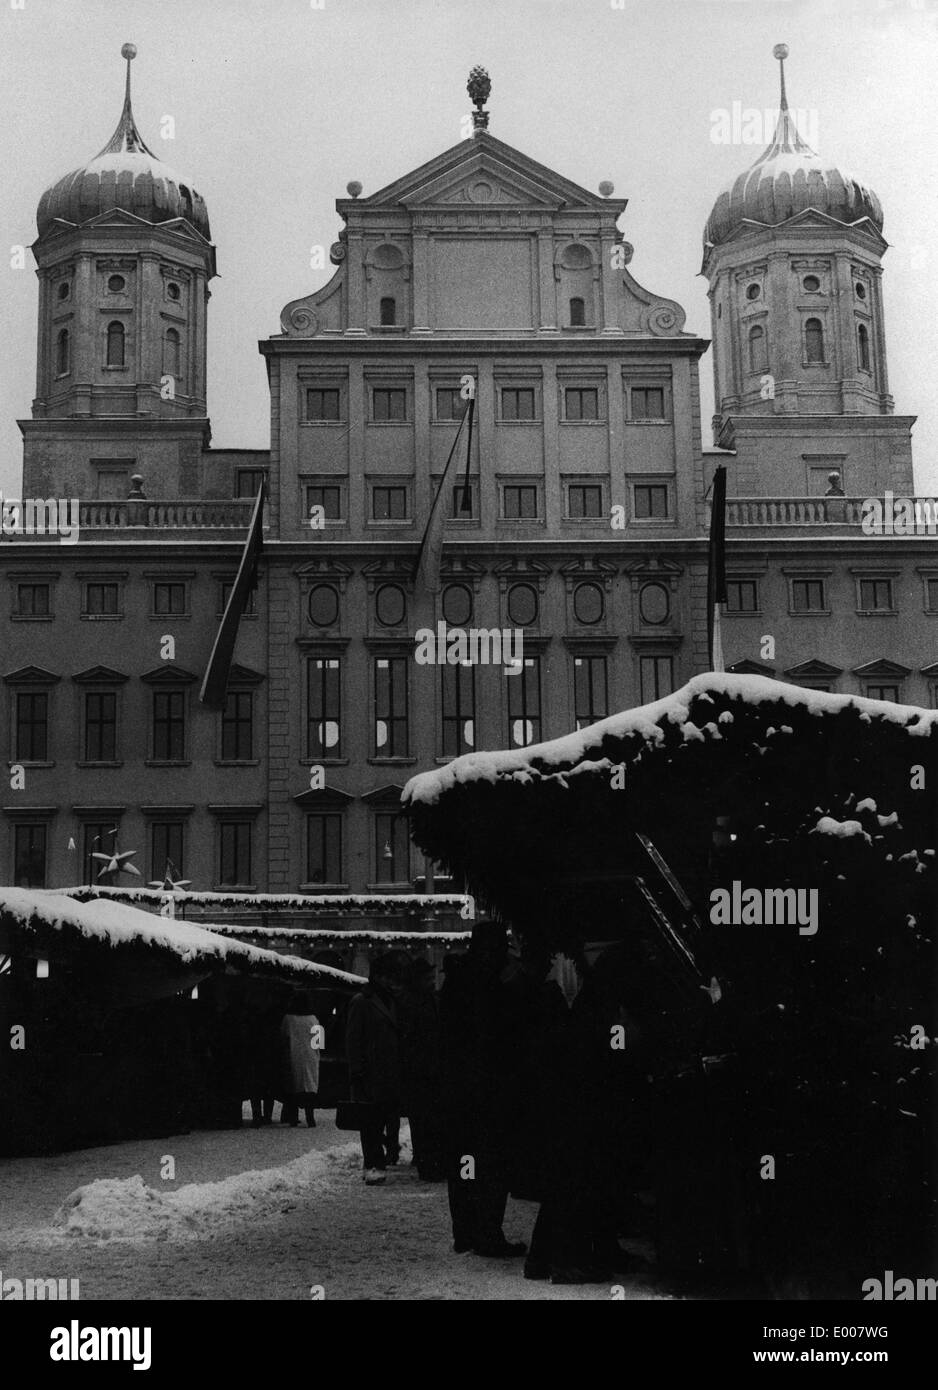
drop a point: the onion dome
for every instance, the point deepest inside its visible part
(126, 174)
(788, 178)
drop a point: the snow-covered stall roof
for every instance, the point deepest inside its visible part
(48, 919)
(561, 757)
(315, 904)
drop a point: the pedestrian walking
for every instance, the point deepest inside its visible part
(301, 1036)
(373, 1049)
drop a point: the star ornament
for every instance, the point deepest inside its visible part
(116, 862)
(170, 883)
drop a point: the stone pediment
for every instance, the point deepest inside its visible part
(455, 176)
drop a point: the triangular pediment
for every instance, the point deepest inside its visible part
(31, 675)
(931, 670)
(882, 667)
(747, 667)
(100, 675)
(814, 669)
(169, 674)
(513, 179)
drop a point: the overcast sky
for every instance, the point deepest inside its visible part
(279, 103)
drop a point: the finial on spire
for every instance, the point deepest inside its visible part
(780, 51)
(127, 138)
(478, 87)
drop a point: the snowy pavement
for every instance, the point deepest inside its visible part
(272, 1213)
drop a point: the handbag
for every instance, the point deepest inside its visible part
(352, 1114)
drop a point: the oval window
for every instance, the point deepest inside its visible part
(390, 605)
(654, 604)
(753, 292)
(587, 603)
(522, 605)
(861, 290)
(65, 290)
(172, 290)
(811, 283)
(457, 605)
(323, 605)
(117, 284)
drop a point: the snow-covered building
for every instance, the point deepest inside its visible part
(580, 521)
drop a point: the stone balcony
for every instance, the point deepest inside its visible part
(802, 513)
(176, 514)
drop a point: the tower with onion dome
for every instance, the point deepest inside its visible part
(793, 254)
(124, 257)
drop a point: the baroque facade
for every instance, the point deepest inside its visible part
(580, 519)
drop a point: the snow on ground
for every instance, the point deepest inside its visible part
(268, 1213)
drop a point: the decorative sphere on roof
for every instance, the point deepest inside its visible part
(353, 189)
(780, 50)
(607, 189)
(129, 50)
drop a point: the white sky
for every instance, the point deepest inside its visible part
(278, 104)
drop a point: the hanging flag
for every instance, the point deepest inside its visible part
(215, 684)
(716, 568)
(431, 547)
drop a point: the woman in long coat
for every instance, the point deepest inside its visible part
(300, 1033)
(372, 1048)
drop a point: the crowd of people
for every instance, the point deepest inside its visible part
(509, 1092)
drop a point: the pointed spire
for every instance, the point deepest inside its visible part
(786, 139)
(127, 138)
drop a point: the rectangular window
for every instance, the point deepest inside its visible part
(518, 402)
(524, 704)
(99, 838)
(589, 696)
(459, 709)
(323, 403)
(581, 403)
(584, 499)
(392, 849)
(237, 727)
(100, 726)
(323, 708)
(29, 855)
(807, 596)
(883, 692)
(325, 495)
(32, 726)
(648, 403)
(166, 837)
(169, 599)
(324, 848)
(519, 502)
(33, 600)
(651, 501)
(657, 677)
(450, 404)
(102, 600)
(169, 726)
(388, 403)
(389, 504)
(931, 595)
(876, 595)
(742, 595)
(391, 731)
(249, 481)
(234, 853)
(250, 605)
(457, 511)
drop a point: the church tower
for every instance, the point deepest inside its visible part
(792, 252)
(124, 258)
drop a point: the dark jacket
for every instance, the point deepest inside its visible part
(373, 1050)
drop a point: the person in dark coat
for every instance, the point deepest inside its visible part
(478, 1058)
(373, 1049)
(422, 1070)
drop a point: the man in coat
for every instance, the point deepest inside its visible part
(372, 1048)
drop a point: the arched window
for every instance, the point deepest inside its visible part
(115, 344)
(62, 353)
(813, 341)
(758, 353)
(863, 347)
(388, 312)
(577, 312)
(172, 352)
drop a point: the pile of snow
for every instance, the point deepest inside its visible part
(648, 722)
(126, 1209)
(119, 925)
(843, 829)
